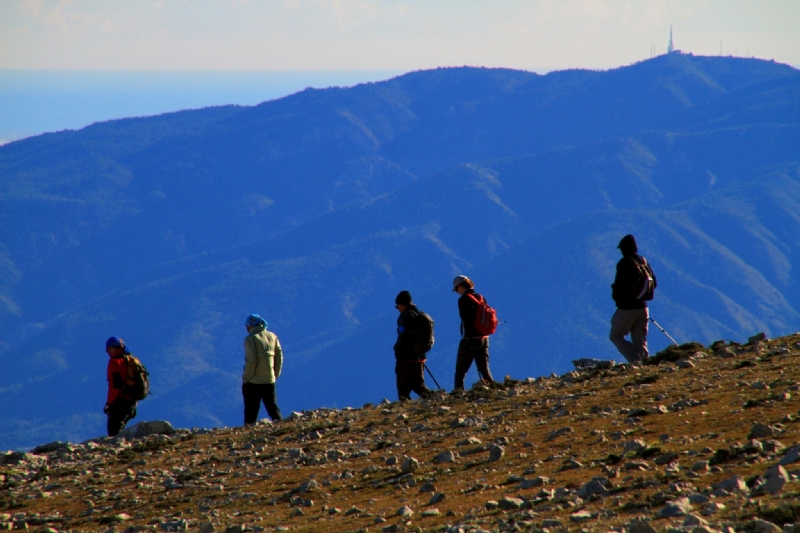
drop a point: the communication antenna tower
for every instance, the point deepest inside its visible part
(670, 48)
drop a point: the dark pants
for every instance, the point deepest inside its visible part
(119, 413)
(254, 394)
(472, 349)
(410, 377)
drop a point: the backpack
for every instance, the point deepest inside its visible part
(485, 317)
(424, 334)
(646, 284)
(137, 384)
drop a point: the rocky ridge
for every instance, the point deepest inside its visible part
(699, 439)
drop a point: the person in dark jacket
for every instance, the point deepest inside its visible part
(473, 346)
(409, 365)
(120, 407)
(632, 315)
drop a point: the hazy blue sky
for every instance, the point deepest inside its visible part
(389, 34)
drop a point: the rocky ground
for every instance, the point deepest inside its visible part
(699, 439)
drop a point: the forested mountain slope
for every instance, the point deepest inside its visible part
(316, 209)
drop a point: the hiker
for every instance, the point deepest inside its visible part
(263, 360)
(630, 291)
(474, 345)
(410, 364)
(120, 406)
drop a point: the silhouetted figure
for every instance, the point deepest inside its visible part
(263, 360)
(410, 363)
(120, 407)
(630, 291)
(474, 346)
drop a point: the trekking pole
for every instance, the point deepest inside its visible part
(431, 375)
(664, 332)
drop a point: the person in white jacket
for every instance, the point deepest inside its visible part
(263, 359)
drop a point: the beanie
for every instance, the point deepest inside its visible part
(255, 320)
(403, 298)
(628, 245)
(115, 342)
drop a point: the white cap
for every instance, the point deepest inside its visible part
(458, 281)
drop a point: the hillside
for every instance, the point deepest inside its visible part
(316, 209)
(700, 439)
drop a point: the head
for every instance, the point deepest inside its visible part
(628, 245)
(253, 321)
(462, 284)
(115, 346)
(402, 301)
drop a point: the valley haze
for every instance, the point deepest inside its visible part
(315, 209)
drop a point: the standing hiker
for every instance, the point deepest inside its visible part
(120, 405)
(410, 356)
(633, 287)
(263, 359)
(474, 344)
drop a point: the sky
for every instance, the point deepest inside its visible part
(402, 35)
(66, 64)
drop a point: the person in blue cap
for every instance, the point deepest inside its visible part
(263, 360)
(120, 407)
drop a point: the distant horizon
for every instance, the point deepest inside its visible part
(31, 105)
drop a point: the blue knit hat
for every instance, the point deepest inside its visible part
(255, 320)
(116, 342)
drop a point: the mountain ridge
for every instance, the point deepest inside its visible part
(168, 230)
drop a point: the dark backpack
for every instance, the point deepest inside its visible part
(485, 317)
(424, 333)
(646, 284)
(137, 384)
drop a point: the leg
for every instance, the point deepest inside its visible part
(621, 325)
(119, 413)
(463, 362)
(252, 401)
(639, 334)
(417, 373)
(270, 399)
(482, 358)
(404, 384)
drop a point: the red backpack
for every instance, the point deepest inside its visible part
(485, 317)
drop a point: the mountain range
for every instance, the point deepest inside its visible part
(316, 209)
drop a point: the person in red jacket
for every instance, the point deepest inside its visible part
(474, 346)
(119, 407)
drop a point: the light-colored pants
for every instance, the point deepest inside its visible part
(633, 321)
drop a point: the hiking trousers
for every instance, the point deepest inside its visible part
(633, 321)
(410, 377)
(120, 413)
(254, 394)
(472, 349)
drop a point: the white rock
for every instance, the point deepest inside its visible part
(409, 465)
(446, 457)
(143, 429)
(764, 526)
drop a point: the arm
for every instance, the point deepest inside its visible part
(624, 279)
(250, 359)
(406, 331)
(117, 372)
(277, 364)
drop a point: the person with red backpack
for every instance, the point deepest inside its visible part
(633, 287)
(409, 353)
(478, 321)
(120, 405)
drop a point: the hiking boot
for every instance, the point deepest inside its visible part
(404, 399)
